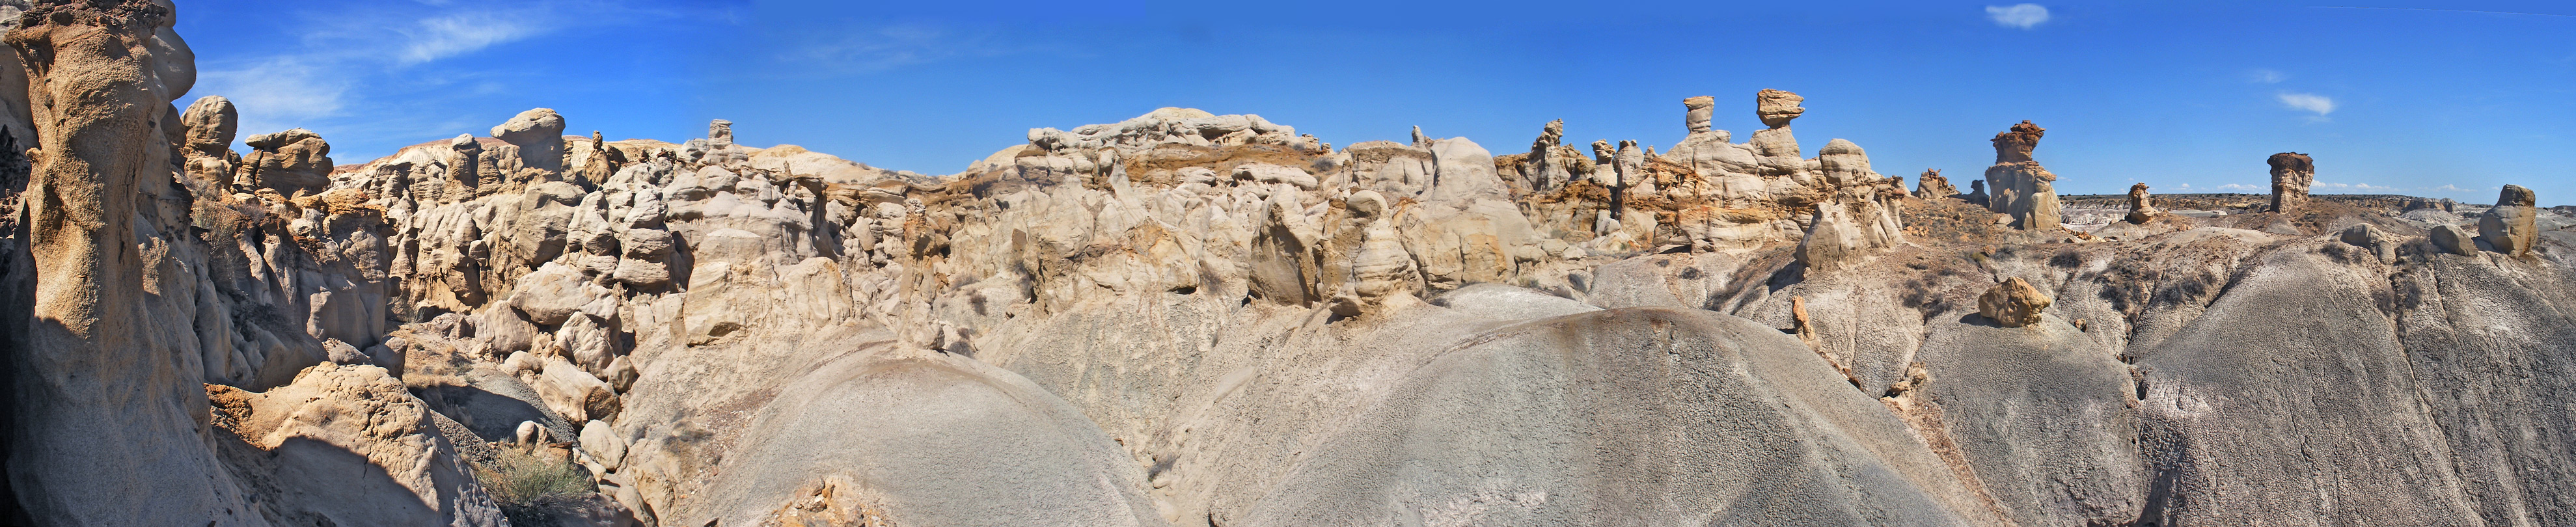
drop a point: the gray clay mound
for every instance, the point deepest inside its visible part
(1642, 416)
(932, 440)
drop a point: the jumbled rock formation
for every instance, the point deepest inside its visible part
(2013, 303)
(2142, 207)
(2512, 226)
(538, 136)
(1931, 185)
(2016, 185)
(106, 412)
(2292, 172)
(292, 162)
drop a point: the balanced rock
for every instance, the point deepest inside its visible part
(2292, 172)
(719, 133)
(1932, 186)
(2013, 303)
(2513, 225)
(2016, 185)
(211, 123)
(2142, 207)
(290, 161)
(1775, 149)
(1697, 112)
(539, 135)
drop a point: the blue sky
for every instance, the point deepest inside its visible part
(2186, 96)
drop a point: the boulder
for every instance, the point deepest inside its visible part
(574, 394)
(2454, 239)
(2013, 303)
(2512, 227)
(289, 162)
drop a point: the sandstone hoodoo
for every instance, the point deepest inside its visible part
(1931, 185)
(2017, 186)
(2142, 207)
(2292, 173)
(1189, 318)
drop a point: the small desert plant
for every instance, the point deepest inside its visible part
(532, 487)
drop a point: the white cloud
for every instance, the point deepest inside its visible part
(278, 93)
(2241, 187)
(2022, 16)
(2308, 102)
(2266, 76)
(888, 47)
(460, 33)
(2352, 187)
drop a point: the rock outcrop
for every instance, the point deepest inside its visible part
(105, 407)
(2512, 227)
(348, 445)
(538, 137)
(2292, 173)
(2016, 185)
(1931, 185)
(211, 123)
(2013, 303)
(2142, 207)
(293, 163)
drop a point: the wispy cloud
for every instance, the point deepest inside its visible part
(2310, 102)
(284, 90)
(2241, 187)
(2266, 76)
(2024, 16)
(2352, 187)
(392, 60)
(460, 33)
(889, 47)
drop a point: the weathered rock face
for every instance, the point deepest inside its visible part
(2013, 303)
(2512, 227)
(293, 162)
(1931, 185)
(105, 406)
(2142, 207)
(538, 134)
(2017, 185)
(348, 445)
(1859, 219)
(2292, 172)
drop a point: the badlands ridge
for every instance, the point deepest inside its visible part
(1197, 319)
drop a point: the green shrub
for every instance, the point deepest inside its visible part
(532, 488)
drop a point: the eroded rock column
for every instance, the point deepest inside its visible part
(2292, 172)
